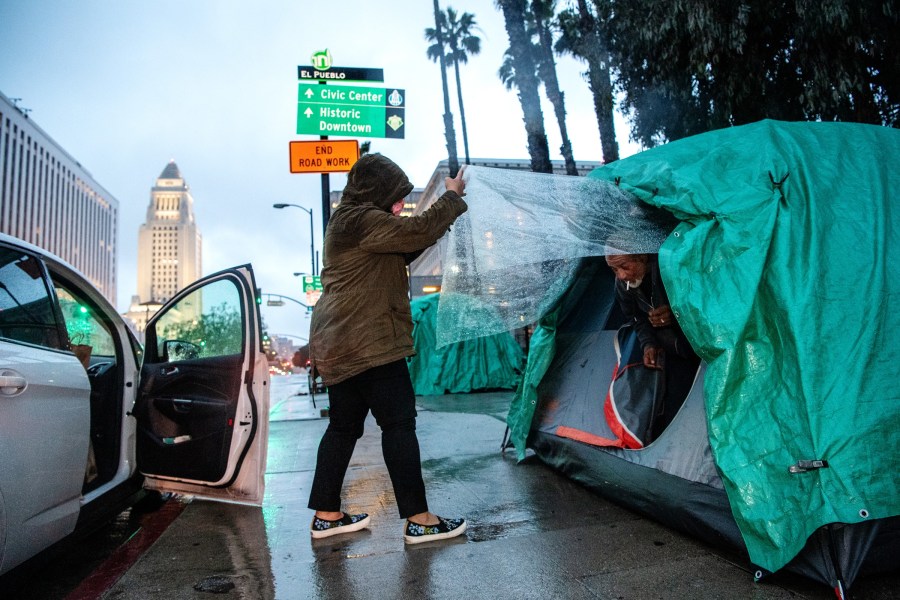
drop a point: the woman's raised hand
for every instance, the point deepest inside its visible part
(456, 184)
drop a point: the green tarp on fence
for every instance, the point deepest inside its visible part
(492, 362)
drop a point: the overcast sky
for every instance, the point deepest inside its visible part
(126, 86)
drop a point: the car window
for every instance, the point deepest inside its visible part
(84, 328)
(205, 323)
(27, 311)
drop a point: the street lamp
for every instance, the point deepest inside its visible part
(312, 245)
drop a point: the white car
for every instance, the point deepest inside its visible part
(87, 416)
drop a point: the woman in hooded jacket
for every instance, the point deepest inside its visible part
(361, 335)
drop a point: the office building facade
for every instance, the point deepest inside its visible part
(48, 199)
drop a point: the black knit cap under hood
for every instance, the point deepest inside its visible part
(376, 179)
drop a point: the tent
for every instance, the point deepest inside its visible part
(492, 362)
(779, 269)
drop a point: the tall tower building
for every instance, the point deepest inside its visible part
(169, 244)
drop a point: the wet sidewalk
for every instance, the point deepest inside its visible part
(532, 532)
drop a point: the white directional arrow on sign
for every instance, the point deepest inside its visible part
(309, 93)
(308, 112)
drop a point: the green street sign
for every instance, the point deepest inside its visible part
(353, 111)
(312, 287)
(312, 283)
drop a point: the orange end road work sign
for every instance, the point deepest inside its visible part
(323, 156)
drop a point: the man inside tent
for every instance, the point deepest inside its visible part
(645, 304)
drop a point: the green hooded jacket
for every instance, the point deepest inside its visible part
(362, 320)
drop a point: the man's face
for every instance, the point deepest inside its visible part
(397, 208)
(630, 268)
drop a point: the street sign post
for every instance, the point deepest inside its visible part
(351, 111)
(343, 111)
(323, 156)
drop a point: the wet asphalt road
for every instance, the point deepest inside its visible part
(532, 532)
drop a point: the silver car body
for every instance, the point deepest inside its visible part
(70, 425)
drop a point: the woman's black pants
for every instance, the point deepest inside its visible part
(387, 391)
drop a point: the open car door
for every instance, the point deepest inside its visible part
(202, 408)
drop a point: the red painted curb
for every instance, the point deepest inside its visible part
(107, 574)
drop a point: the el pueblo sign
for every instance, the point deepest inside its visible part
(322, 70)
(338, 74)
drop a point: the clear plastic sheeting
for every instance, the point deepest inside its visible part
(518, 246)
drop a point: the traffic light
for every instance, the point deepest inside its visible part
(259, 295)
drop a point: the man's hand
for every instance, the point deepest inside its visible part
(661, 316)
(653, 357)
(456, 184)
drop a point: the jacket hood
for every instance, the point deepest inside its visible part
(376, 179)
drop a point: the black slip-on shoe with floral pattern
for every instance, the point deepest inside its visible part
(322, 528)
(414, 533)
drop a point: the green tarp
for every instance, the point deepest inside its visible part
(784, 275)
(492, 362)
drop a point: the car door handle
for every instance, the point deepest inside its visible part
(169, 370)
(10, 385)
(182, 405)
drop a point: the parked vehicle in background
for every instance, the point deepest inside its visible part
(88, 416)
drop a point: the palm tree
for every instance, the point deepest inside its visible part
(546, 72)
(457, 36)
(449, 131)
(521, 52)
(581, 36)
(541, 13)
